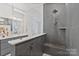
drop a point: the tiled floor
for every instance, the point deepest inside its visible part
(46, 54)
(43, 54)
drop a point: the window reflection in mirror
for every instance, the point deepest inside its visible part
(18, 17)
(5, 27)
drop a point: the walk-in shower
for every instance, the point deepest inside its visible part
(55, 27)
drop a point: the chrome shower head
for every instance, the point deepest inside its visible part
(55, 11)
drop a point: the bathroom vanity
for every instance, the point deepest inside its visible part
(30, 46)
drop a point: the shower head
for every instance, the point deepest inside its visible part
(55, 11)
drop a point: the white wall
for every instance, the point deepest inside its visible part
(5, 10)
(73, 26)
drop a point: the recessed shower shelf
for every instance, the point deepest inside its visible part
(62, 28)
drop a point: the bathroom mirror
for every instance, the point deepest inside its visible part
(5, 26)
(18, 21)
(9, 26)
(12, 25)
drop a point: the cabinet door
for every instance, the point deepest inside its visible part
(23, 49)
(36, 47)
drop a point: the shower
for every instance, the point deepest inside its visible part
(54, 17)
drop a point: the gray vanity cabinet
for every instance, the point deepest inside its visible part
(32, 47)
(23, 50)
(4, 47)
(36, 49)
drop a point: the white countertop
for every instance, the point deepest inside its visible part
(12, 36)
(14, 42)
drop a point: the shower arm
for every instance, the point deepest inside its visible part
(55, 20)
